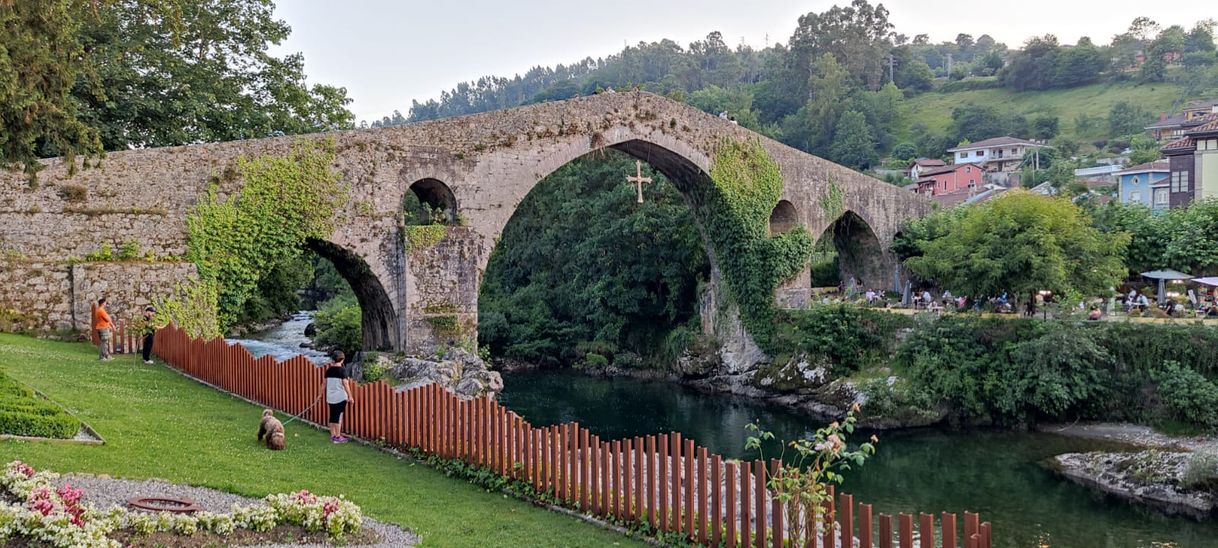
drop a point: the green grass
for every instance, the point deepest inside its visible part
(160, 424)
(934, 109)
(24, 413)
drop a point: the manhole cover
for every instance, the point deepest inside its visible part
(164, 504)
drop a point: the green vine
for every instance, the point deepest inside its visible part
(192, 307)
(832, 202)
(735, 211)
(282, 202)
(420, 237)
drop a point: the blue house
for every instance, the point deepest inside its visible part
(1146, 184)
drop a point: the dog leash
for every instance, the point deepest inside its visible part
(306, 410)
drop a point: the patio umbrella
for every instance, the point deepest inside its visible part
(1210, 281)
(1163, 276)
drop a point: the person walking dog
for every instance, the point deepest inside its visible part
(104, 327)
(149, 330)
(338, 395)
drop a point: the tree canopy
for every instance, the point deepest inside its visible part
(1022, 243)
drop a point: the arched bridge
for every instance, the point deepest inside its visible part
(478, 168)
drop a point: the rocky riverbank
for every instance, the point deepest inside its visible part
(460, 371)
(1170, 481)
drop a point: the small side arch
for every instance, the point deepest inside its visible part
(431, 201)
(783, 218)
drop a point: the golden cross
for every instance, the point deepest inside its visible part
(638, 179)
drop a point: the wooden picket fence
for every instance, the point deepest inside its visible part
(662, 480)
(124, 340)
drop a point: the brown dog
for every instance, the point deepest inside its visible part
(272, 429)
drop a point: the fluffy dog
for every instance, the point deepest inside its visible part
(272, 429)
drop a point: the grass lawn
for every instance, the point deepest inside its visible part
(160, 424)
(934, 109)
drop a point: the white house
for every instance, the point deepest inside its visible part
(999, 154)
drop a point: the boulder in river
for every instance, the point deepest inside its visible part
(460, 371)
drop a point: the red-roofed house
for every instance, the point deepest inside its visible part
(916, 167)
(1193, 164)
(951, 179)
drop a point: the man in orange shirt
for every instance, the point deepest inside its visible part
(104, 327)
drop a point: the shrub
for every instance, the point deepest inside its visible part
(130, 250)
(339, 326)
(104, 253)
(74, 193)
(1187, 394)
(24, 413)
(849, 337)
(1201, 473)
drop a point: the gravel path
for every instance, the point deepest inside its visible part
(104, 491)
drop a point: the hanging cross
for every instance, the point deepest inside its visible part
(638, 179)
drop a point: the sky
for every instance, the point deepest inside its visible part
(389, 52)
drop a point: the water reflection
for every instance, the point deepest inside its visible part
(995, 473)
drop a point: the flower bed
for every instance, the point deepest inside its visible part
(24, 413)
(33, 510)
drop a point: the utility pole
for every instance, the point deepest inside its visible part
(949, 64)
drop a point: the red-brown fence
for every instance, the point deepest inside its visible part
(123, 339)
(662, 480)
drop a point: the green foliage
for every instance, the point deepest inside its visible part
(582, 267)
(1201, 474)
(1187, 394)
(374, 370)
(848, 337)
(276, 295)
(852, 142)
(129, 250)
(283, 202)
(974, 122)
(1126, 118)
(103, 253)
(193, 308)
(339, 325)
(420, 237)
(1185, 239)
(1023, 243)
(735, 213)
(24, 413)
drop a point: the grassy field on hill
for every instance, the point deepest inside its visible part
(159, 424)
(934, 109)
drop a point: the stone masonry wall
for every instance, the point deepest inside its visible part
(57, 297)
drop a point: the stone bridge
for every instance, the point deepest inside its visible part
(414, 294)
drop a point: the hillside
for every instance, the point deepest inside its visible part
(934, 109)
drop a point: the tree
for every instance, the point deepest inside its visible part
(812, 127)
(1079, 65)
(852, 142)
(858, 36)
(1023, 243)
(1148, 236)
(1165, 46)
(41, 58)
(905, 151)
(916, 75)
(1145, 150)
(976, 122)
(1045, 126)
(737, 103)
(1034, 66)
(1125, 118)
(208, 78)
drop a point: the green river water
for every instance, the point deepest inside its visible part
(928, 470)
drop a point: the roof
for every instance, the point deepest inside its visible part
(1157, 165)
(928, 162)
(1206, 128)
(1178, 146)
(1193, 105)
(996, 142)
(1171, 121)
(944, 169)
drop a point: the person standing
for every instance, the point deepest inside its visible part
(149, 330)
(338, 395)
(104, 327)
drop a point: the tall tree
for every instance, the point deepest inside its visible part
(858, 36)
(852, 143)
(207, 78)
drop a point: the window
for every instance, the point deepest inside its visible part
(1160, 196)
(1135, 180)
(980, 154)
(1175, 181)
(1135, 196)
(1184, 181)
(968, 169)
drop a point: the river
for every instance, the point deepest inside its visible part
(284, 340)
(932, 470)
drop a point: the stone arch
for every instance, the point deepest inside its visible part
(436, 195)
(783, 218)
(377, 313)
(860, 255)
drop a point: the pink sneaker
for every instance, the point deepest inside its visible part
(338, 439)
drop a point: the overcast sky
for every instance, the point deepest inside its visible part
(388, 52)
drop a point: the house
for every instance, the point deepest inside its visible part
(999, 155)
(1192, 115)
(1145, 184)
(1193, 164)
(950, 179)
(914, 172)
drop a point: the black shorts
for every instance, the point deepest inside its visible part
(336, 411)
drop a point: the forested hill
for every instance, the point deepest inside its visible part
(846, 76)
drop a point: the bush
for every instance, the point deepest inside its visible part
(339, 326)
(1187, 394)
(74, 193)
(24, 413)
(849, 337)
(1201, 474)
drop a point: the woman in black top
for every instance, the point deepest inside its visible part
(338, 395)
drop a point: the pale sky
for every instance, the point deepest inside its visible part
(389, 52)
